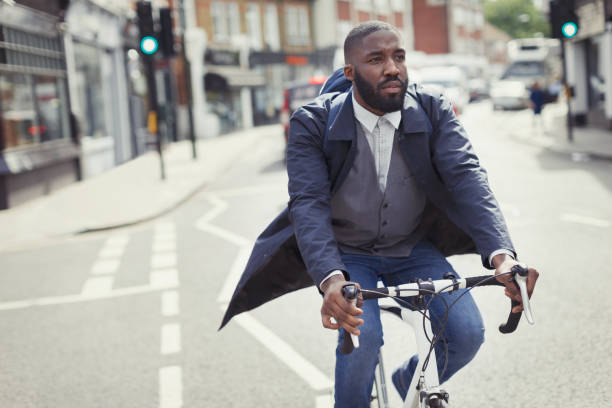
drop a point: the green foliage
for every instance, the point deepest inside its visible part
(518, 18)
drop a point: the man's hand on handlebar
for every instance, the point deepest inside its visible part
(336, 307)
(503, 264)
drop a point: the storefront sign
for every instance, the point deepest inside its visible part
(266, 58)
(222, 57)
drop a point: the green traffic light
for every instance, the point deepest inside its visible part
(569, 29)
(149, 45)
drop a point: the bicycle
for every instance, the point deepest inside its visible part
(425, 390)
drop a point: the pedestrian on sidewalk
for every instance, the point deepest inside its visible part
(536, 102)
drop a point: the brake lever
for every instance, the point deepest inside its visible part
(520, 277)
(350, 293)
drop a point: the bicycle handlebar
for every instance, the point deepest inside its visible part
(420, 288)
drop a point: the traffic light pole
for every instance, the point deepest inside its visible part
(568, 94)
(153, 119)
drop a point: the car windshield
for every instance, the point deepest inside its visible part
(525, 69)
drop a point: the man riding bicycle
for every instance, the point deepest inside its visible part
(383, 184)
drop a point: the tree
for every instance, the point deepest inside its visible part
(518, 18)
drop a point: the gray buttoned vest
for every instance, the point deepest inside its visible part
(367, 220)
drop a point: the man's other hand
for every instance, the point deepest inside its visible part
(336, 311)
(503, 263)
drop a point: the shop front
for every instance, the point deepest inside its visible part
(38, 148)
(98, 86)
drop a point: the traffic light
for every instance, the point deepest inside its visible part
(166, 35)
(563, 19)
(148, 43)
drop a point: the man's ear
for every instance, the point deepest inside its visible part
(349, 72)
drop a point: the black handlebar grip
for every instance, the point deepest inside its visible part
(347, 345)
(513, 320)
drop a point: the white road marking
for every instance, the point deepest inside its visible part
(170, 387)
(170, 303)
(164, 246)
(98, 286)
(324, 401)
(224, 234)
(219, 206)
(234, 275)
(105, 267)
(170, 338)
(117, 241)
(164, 260)
(581, 219)
(163, 238)
(164, 278)
(284, 352)
(111, 252)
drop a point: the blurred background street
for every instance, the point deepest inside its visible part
(142, 152)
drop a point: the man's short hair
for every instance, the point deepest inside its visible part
(357, 34)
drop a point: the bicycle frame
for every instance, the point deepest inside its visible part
(429, 380)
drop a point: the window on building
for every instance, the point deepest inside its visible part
(296, 24)
(344, 10)
(253, 26)
(272, 37)
(233, 20)
(34, 109)
(218, 13)
(363, 4)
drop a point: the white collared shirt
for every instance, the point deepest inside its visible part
(379, 131)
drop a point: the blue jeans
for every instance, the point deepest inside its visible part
(464, 331)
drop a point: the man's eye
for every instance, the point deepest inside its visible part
(376, 59)
(400, 57)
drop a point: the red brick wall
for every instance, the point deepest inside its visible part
(363, 16)
(398, 19)
(430, 28)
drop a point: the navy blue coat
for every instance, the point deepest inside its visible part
(298, 248)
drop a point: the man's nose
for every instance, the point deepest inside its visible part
(390, 68)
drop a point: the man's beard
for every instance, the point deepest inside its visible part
(373, 97)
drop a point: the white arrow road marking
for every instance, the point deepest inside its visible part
(278, 347)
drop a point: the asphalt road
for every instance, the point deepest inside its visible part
(129, 317)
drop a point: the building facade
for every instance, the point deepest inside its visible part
(38, 145)
(253, 48)
(589, 64)
(449, 27)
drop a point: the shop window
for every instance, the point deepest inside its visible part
(298, 30)
(89, 85)
(19, 121)
(50, 96)
(33, 109)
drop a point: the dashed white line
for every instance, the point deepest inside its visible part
(170, 338)
(111, 252)
(226, 235)
(170, 387)
(164, 277)
(105, 267)
(163, 260)
(581, 219)
(117, 241)
(170, 303)
(164, 246)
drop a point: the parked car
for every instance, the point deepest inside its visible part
(479, 89)
(506, 94)
(452, 79)
(298, 94)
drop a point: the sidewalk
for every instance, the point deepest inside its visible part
(588, 142)
(130, 193)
